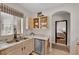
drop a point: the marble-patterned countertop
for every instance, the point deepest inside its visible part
(38, 36)
(7, 45)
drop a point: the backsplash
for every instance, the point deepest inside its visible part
(41, 31)
(37, 31)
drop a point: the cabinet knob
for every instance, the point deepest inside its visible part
(24, 47)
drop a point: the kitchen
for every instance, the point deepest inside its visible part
(31, 29)
(13, 40)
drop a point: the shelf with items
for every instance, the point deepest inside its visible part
(36, 22)
(43, 22)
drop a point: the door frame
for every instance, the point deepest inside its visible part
(56, 30)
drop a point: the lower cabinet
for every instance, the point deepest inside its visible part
(28, 46)
(77, 49)
(23, 48)
(13, 50)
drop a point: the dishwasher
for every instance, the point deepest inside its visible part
(39, 46)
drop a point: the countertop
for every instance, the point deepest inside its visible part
(7, 45)
(39, 36)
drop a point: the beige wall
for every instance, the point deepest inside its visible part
(73, 9)
(74, 22)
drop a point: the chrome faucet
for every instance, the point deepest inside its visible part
(32, 33)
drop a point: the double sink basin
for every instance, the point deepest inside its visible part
(3, 44)
(9, 43)
(21, 39)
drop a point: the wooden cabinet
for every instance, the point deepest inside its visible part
(36, 22)
(46, 46)
(39, 22)
(30, 23)
(17, 51)
(43, 22)
(77, 49)
(23, 48)
(13, 50)
(28, 46)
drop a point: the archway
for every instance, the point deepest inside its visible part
(61, 36)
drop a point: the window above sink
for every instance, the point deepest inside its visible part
(7, 22)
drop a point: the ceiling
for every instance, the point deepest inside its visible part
(37, 7)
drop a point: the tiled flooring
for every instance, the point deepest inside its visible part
(59, 49)
(61, 41)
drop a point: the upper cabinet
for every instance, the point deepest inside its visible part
(41, 22)
(29, 23)
(44, 22)
(38, 23)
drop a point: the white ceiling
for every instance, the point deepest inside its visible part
(37, 7)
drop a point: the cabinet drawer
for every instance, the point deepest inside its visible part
(77, 50)
(6, 51)
(23, 48)
(29, 46)
(17, 51)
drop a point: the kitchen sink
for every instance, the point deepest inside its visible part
(3, 44)
(17, 40)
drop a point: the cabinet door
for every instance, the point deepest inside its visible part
(31, 45)
(77, 51)
(25, 47)
(36, 22)
(44, 22)
(30, 23)
(13, 50)
(17, 51)
(28, 46)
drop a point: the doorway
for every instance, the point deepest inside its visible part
(61, 32)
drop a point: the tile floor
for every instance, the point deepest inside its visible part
(59, 49)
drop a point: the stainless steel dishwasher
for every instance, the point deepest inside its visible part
(39, 46)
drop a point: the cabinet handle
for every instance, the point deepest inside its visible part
(24, 47)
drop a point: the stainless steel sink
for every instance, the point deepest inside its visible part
(17, 40)
(3, 44)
